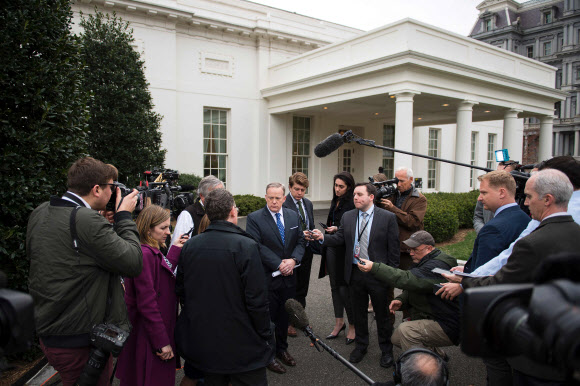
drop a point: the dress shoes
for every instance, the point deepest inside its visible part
(276, 367)
(349, 341)
(357, 355)
(387, 359)
(332, 336)
(292, 332)
(286, 358)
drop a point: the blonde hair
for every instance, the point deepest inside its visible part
(150, 217)
(203, 224)
(500, 179)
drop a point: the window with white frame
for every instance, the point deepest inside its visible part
(473, 157)
(389, 156)
(300, 144)
(547, 17)
(487, 25)
(215, 138)
(433, 151)
(491, 151)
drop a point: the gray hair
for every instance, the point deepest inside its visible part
(218, 204)
(554, 182)
(207, 184)
(276, 185)
(422, 369)
(408, 171)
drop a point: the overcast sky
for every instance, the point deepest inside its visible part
(453, 15)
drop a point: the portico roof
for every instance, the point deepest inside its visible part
(360, 76)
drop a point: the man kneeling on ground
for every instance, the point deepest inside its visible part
(434, 322)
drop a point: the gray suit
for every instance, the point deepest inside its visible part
(383, 247)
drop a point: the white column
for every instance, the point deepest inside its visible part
(577, 143)
(404, 128)
(513, 134)
(463, 145)
(545, 138)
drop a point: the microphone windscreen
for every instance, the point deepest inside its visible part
(327, 146)
(296, 314)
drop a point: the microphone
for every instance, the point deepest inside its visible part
(296, 314)
(328, 145)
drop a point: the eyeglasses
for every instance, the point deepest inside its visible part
(415, 250)
(112, 186)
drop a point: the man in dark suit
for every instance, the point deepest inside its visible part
(282, 242)
(497, 191)
(295, 200)
(370, 233)
(547, 195)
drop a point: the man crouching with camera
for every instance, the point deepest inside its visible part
(76, 259)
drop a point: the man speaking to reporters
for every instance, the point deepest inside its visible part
(76, 284)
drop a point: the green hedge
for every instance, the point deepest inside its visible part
(189, 179)
(248, 203)
(448, 212)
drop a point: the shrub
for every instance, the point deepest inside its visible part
(248, 203)
(189, 179)
(441, 219)
(43, 116)
(124, 128)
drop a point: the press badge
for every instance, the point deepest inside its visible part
(356, 250)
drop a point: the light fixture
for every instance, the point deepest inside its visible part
(392, 96)
(376, 113)
(325, 108)
(419, 118)
(445, 104)
(487, 111)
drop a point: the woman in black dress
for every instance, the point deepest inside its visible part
(332, 261)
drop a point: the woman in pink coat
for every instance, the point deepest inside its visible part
(148, 357)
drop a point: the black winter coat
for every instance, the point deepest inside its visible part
(224, 326)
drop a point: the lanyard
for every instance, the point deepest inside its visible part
(365, 227)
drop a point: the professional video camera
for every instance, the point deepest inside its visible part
(106, 339)
(385, 189)
(538, 321)
(16, 321)
(160, 188)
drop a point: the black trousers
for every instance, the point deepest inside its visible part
(338, 287)
(303, 277)
(249, 378)
(278, 314)
(363, 285)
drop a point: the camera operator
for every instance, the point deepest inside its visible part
(190, 218)
(409, 206)
(547, 195)
(76, 284)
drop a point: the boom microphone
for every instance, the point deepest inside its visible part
(328, 145)
(296, 314)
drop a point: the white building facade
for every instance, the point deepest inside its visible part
(247, 91)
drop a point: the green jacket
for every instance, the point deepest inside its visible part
(418, 297)
(70, 289)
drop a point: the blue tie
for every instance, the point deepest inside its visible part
(280, 227)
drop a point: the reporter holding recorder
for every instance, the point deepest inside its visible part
(148, 357)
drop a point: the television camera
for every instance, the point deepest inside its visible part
(385, 189)
(160, 187)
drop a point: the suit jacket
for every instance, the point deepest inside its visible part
(262, 226)
(383, 239)
(496, 236)
(554, 235)
(309, 212)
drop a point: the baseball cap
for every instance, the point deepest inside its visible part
(420, 238)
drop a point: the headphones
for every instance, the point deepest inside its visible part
(408, 353)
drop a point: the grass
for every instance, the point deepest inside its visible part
(462, 249)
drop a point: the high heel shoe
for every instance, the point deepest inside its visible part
(332, 336)
(349, 341)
